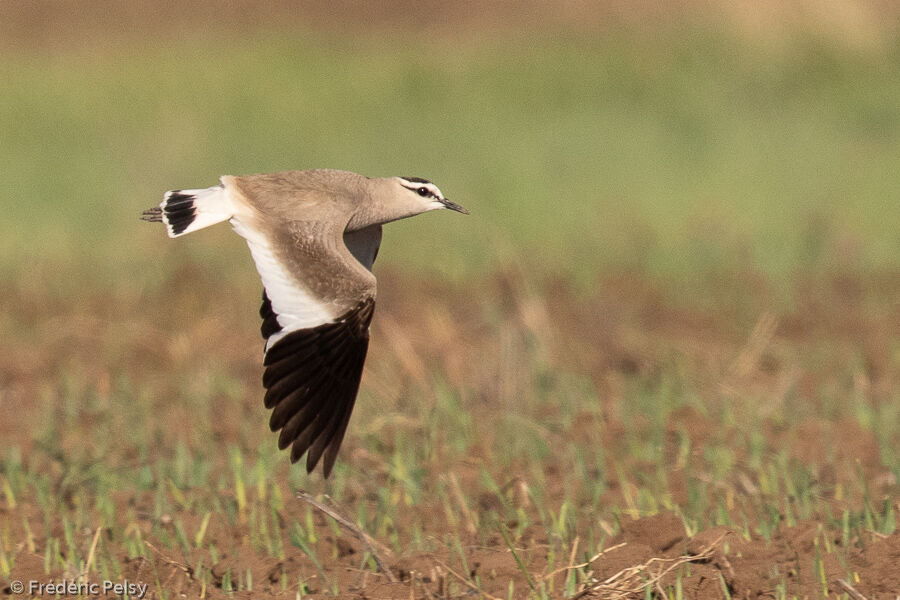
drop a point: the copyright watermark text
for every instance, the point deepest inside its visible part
(70, 587)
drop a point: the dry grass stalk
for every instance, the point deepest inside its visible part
(584, 564)
(631, 582)
(467, 583)
(854, 593)
(749, 356)
(460, 498)
(179, 566)
(371, 545)
(90, 558)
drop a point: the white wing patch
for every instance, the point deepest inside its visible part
(363, 244)
(294, 306)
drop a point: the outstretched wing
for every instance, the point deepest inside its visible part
(311, 378)
(313, 357)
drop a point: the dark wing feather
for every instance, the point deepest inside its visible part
(311, 378)
(270, 324)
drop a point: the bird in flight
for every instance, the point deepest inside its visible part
(313, 236)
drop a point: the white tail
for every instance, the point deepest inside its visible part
(184, 211)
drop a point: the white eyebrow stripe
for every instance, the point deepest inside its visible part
(414, 185)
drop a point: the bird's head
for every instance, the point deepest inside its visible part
(425, 195)
(393, 198)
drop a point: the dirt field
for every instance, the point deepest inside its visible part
(50, 24)
(784, 392)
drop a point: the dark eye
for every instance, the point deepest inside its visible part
(423, 191)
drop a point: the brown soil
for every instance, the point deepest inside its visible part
(625, 328)
(60, 24)
(653, 549)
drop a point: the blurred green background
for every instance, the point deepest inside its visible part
(673, 144)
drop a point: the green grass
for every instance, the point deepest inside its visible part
(535, 450)
(678, 153)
